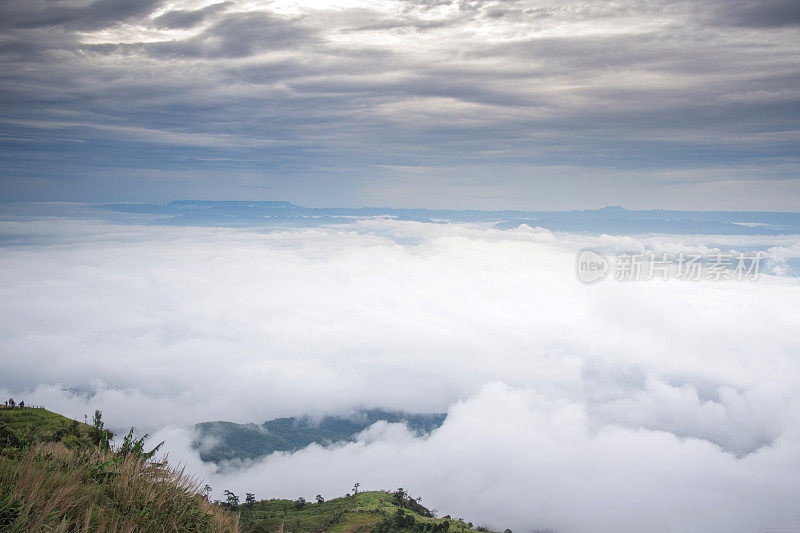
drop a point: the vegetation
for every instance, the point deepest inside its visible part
(60, 475)
(251, 441)
(370, 511)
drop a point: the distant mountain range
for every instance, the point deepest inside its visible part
(611, 219)
(227, 441)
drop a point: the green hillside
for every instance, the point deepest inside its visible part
(21, 427)
(59, 475)
(374, 511)
(251, 441)
(40, 419)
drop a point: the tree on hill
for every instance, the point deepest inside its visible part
(402, 499)
(231, 499)
(99, 435)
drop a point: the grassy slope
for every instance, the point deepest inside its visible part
(53, 478)
(23, 427)
(42, 420)
(349, 514)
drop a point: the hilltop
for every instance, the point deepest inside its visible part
(375, 511)
(20, 427)
(41, 419)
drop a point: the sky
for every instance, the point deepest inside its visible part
(429, 103)
(659, 406)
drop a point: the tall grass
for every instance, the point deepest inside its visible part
(51, 488)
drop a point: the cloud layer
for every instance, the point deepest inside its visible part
(414, 103)
(657, 406)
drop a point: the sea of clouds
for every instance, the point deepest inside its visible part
(642, 406)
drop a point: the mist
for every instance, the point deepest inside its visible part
(647, 406)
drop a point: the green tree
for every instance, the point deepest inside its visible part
(399, 496)
(135, 447)
(231, 499)
(99, 435)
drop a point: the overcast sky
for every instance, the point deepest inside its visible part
(430, 103)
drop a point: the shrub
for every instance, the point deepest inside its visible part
(53, 488)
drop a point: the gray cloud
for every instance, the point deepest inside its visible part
(237, 35)
(639, 85)
(187, 19)
(92, 16)
(767, 14)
